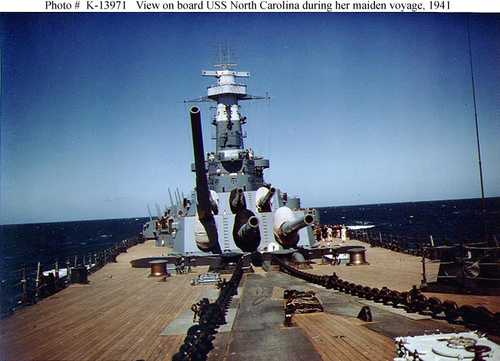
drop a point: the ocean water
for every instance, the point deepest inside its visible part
(447, 221)
(23, 245)
(453, 220)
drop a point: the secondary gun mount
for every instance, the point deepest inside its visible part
(204, 204)
(287, 226)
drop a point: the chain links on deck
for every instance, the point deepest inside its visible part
(199, 340)
(413, 300)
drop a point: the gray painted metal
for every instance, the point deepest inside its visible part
(185, 241)
(232, 166)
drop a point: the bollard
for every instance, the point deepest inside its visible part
(79, 275)
(158, 268)
(357, 256)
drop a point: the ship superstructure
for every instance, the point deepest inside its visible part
(231, 165)
(235, 180)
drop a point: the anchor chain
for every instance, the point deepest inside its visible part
(199, 339)
(413, 300)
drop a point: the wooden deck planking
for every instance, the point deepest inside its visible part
(121, 313)
(343, 338)
(398, 271)
(395, 270)
(118, 316)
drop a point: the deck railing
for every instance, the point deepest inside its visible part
(34, 281)
(467, 263)
(414, 245)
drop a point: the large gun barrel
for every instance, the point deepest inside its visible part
(202, 192)
(264, 202)
(250, 226)
(246, 233)
(287, 226)
(237, 200)
(297, 224)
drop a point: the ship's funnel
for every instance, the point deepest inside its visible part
(263, 198)
(204, 205)
(246, 233)
(287, 226)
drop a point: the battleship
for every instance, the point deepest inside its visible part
(234, 271)
(233, 209)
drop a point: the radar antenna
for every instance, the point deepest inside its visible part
(225, 54)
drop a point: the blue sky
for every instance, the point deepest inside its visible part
(365, 108)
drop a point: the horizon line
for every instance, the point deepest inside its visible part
(344, 205)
